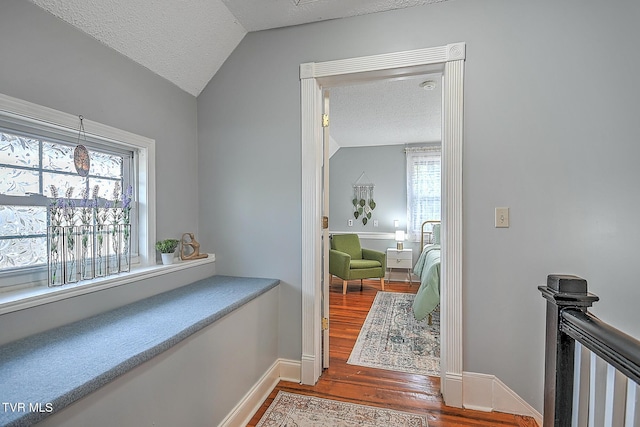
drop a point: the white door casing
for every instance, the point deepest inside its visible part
(326, 277)
(316, 75)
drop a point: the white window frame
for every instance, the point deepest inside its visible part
(50, 121)
(413, 230)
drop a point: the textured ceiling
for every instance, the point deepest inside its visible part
(184, 41)
(386, 112)
(187, 41)
(258, 15)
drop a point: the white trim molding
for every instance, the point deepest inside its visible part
(451, 234)
(487, 393)
(312, 156)
(314, 77)
(282, 369)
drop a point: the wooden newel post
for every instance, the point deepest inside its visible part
(561, 292)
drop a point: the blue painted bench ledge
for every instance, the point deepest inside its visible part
(43, 373)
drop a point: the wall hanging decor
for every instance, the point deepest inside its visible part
(81, 158)
(363, 201)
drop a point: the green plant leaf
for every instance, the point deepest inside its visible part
(356, 214)
(167, 246)
(359, 210)
(364, 221)
(369, 215)
(354, 201)
(372, 204)
(362, 202)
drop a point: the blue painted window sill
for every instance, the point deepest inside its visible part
(48, 371)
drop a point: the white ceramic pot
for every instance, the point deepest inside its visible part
(167, 259)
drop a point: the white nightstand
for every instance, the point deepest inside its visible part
(402, 258)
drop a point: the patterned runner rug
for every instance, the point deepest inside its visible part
(391, 338)
(289, 410)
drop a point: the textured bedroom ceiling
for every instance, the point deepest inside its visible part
(187, 41)
(386, 112)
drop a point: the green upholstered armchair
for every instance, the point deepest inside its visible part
(349, 261)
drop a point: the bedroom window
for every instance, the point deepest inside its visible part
(36, 152)
(423, 187)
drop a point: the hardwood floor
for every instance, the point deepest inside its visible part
(377, 387)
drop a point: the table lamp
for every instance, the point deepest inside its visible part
(399, 239)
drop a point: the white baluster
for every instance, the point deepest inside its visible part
(632, 416)
(615, 400)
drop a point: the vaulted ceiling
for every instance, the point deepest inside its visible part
(187, 41)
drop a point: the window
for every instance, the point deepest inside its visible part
(29, 166)
(423, 187)
(36, 151)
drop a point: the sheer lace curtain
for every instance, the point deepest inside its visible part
(423, 187)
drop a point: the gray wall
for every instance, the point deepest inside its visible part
(385, 166)
(550, 131)
(48, 62)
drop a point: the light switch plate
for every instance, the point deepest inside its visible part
(502, 217)
(350, 223)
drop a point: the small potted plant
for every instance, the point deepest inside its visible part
(167, 248)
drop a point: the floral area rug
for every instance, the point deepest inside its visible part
(289, 410)
(391, 338)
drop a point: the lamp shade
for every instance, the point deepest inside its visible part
(399, 239)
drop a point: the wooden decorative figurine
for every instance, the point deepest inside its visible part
(189, 241)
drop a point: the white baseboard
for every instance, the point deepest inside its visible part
(452, 389)
(482, 392)
(290, 370)
(309, 368)
(282, 369)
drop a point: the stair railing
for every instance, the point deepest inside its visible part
(592, 370)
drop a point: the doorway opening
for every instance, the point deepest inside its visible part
(449, 60)
(380, 132)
